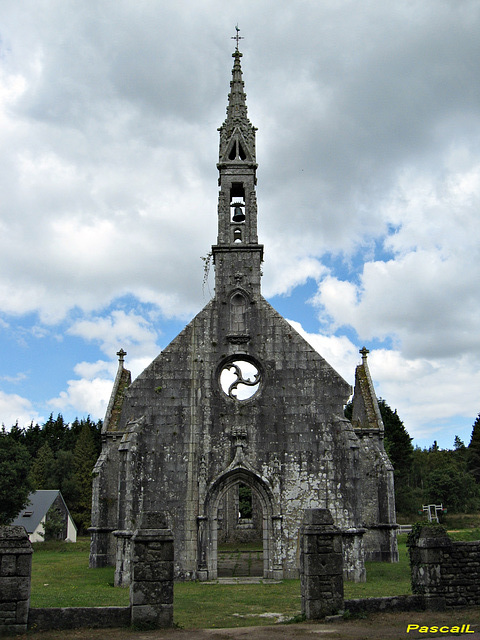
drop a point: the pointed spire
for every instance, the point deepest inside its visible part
(237, 105)
(237, 124)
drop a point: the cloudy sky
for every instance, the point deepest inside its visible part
(368, 146)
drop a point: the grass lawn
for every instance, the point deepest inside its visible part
(61, 578)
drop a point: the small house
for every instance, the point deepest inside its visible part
(42, 505)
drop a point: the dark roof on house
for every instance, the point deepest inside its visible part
(40, 503)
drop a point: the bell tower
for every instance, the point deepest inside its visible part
(237, 255)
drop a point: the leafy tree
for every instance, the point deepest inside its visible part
(244, 501)
(453, 487)
(54, 524)
(14, 484)
(474, 450)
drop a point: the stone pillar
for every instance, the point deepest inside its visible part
(426, 559)
(151, 589)
(321, 564)
(15, 573)
(202, 570)
(354, 555)
(100, 547)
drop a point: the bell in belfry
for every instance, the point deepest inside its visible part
(238, 215)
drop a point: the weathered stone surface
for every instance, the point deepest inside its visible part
(181, 439)
(445, 573)
(152, 616)
(78, 617)
(15, 568)
(148, 571)
(321, 567)
(151, 589)
(145, 593)
(320, 517)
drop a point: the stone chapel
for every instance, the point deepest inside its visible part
(240, 401)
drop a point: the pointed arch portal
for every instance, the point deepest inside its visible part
(208, 524)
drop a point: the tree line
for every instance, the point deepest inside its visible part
(58, 455)
(55, 455)
(431, 475)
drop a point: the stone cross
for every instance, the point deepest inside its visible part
(364, 351)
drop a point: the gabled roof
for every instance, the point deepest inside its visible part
(40, 502)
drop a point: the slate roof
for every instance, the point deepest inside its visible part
(40, 503)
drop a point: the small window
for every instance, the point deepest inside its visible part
(238, 309)
(237, 236)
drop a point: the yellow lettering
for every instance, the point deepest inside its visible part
(433, 629)
(444, 629)
(423, 630)
(412, 627)
(455, 630)
(467, 630)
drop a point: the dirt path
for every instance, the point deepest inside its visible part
(391, 626)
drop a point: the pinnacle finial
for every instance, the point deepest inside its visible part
(237, 37)
(121, 356)
(364, 351)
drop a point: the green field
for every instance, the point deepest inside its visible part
(61, 578)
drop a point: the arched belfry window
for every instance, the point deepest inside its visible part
(237, 203)
(238, 310)
(237, 151)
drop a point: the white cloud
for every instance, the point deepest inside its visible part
(425, 295)
(129, 331)
(84, 396)
(338, 351)
(430, 395)
(368, 146)
(14, 408)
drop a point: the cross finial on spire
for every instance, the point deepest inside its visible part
(364, 351)
(237, 37)
(121, 356)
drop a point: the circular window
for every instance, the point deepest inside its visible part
(240, 379)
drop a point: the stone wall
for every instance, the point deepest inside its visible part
(151, 590)
(15, 570)
(445, 573)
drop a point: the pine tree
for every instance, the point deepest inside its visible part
(42, 472)
(85, 456)
(474, 450)
(398, 443)
(14, 484)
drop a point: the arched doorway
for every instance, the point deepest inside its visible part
(240, 533)
(226, 486)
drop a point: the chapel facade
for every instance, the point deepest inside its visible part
(239, 401)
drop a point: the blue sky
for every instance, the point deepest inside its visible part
(368, 145)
